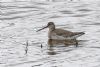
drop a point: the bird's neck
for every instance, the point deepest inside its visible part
(52, 28)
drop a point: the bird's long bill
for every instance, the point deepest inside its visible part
(42, 28)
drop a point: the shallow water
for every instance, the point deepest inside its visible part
(19, 22)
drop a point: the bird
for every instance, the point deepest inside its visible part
(60, 34)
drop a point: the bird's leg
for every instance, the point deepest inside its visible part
(76, 42)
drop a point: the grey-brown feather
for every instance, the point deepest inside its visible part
(66, 33)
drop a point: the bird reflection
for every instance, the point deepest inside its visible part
(51, 51)
(55, 42)
(52, 42)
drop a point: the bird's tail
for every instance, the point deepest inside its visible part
(78, 34)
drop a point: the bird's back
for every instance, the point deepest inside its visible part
(63, 34)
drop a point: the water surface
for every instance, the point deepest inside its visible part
(19, 22)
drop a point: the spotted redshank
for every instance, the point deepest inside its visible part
(60, 34)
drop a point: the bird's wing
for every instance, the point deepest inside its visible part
(64, 33)
(68, 34)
